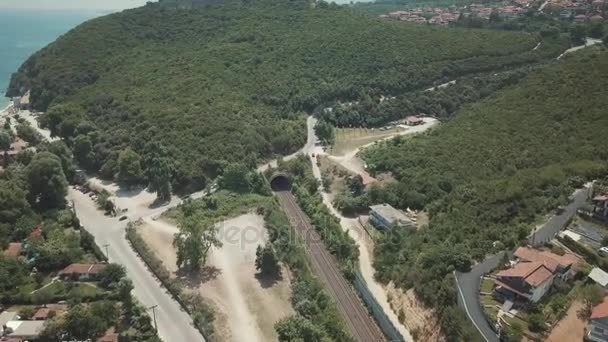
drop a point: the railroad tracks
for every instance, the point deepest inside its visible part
(361, 325)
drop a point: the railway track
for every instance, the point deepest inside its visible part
(361, 325)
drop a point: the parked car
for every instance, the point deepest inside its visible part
(603, 251)
(122, 218)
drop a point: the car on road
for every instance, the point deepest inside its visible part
(122, 218)
(603, 251)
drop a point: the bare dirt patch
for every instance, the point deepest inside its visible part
(570, 328)
(420, 321)
(249, 305)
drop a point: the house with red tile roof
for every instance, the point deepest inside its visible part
(597, 329)
(560, 265)
(533, 273)
(42, 314)
(13, 250)
(526, 280)
(81, 272)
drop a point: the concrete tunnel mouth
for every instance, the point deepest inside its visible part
(280, 182)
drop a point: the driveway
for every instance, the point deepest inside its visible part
(468, 283)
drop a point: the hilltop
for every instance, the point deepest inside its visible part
(232, 82)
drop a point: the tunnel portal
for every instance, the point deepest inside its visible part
(280, 182)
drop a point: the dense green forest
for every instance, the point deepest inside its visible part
(490, 172)
(231, 82)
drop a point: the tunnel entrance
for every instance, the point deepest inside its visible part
(280, 182)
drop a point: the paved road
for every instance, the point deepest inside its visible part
(468, 283)
(174, 324)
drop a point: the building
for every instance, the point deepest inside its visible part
(42, 314)
(81, 272)
(561, 265)
(600, 205)
(13, 250)
(599, 277)
(533, 273)
(384, 216)
(6, 317)
(413, 121)
(526, 280)
(597, 329)
(27, 330)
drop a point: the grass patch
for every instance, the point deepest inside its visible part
(487, 285)
(348, 139)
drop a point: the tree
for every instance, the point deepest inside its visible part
(325, 132)
(578, 32)
(83, 152)
(5, 140)
(193, 241)
(266, 261)
(592, 295)
(61, 150)
(159, 169)
(125, 286)
(26, 132)
(82, 324)
(46, 180)
(13, 201)
(129, 167)
(298, 328)
(235, 178)
(355, 185)
(111, 275)
(537, 322)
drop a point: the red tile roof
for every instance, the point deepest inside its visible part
(533, 273)
(42, 314)
(83, 269)
(550, 260)
(13, 250)
(109, 336)
(601, 310)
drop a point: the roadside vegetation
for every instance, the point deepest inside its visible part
(40, 236)
(317, 317)
(486, 175)
(107, 97)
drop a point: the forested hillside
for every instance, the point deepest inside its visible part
(231, 82)
(488, 173)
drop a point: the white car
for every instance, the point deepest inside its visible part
(603, 251)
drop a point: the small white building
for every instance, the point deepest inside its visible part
(599, 277)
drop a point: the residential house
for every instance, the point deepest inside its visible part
(599, 277)
(13, 250)
(526, 280)
(81, 272)
(413, 121)
(27, 330)
(562, 266)
(597, 329)
(42, 314)
(384, 216)
(600, 206)
(533, 273)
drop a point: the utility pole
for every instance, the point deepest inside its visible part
(153, 308)
(107, 254)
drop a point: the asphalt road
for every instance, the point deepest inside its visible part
(468, 283)
(174, 324)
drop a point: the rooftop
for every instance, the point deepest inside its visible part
(83, 269)
(534, 273)
(551, 260)
(13, 249)
(601, 310)
(25, 328)
(390, 214)
(599, 276)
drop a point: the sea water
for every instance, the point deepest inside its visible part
(23, 32)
